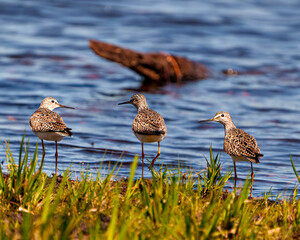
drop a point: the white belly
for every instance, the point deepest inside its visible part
(149, 138)
(239, 159)
(49, 136)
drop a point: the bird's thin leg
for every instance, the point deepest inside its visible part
(158, 153)
(44, 152)
(252, 176)
(235, 176)
(56, 156)
(143, 155)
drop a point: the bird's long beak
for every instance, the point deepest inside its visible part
(63, 106)
(208, 120)
(128, 102)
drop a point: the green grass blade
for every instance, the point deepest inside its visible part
(294, 168)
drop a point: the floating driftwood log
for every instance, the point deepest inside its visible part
(157, 68)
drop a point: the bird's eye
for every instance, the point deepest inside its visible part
(222, 115)
(52, 101)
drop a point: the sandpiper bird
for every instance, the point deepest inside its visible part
(240, 145)
(148, 126)
(48, 125)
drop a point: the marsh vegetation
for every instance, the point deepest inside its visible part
(170, 205)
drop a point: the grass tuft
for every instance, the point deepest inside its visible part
(170, 205)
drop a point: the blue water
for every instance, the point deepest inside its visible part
(44, 52)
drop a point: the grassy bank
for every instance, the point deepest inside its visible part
(167, 206)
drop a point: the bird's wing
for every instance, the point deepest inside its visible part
(239, 143)
(149, 122)
(45, 120)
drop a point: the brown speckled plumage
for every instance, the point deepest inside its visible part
(149, 122)
(148, 126)
(45, 120)
(240, 145)
(48, 125)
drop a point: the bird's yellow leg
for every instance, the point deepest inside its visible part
(252, 176)
(44, 152)
(143, 155)
(235, 176)
(158, 153)
(56, 156)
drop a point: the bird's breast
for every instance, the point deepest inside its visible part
(49, 136)
(149, 138)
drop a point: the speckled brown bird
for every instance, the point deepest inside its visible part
(240, 145)
(148, 126)
(48, 125)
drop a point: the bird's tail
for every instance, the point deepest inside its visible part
(68, 131)
(256, 158)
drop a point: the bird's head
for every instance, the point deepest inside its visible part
(137, 100)
(51, 103)
(221, 117)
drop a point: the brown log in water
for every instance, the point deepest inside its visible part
(159, 68)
